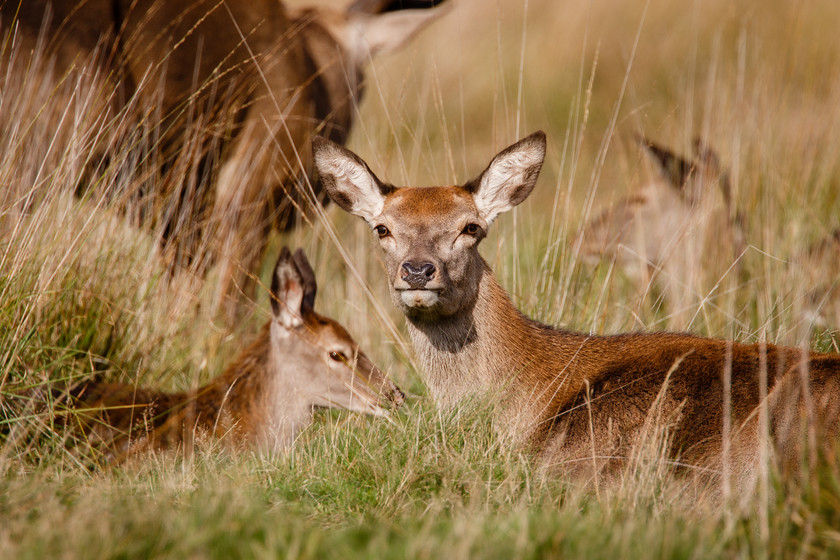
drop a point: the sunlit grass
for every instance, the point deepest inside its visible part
(84, 291)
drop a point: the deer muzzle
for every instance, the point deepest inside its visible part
(417, 275)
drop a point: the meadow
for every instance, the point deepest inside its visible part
(84, 291)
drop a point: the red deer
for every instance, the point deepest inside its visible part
(242, 83)
(582, 402)
(679, 230)
(300, 361)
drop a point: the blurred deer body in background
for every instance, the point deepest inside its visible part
(229, 94)
(585, 403)
(300, 361)
(679, 231)
(818, 270)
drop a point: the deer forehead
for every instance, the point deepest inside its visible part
(325, 332)
(440, 207)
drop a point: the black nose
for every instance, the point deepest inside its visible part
(417, 275)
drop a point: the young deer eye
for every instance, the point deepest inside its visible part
(471, 229)
(382, 231)
(338, 356)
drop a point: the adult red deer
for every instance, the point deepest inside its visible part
(234, 89)
(583, 402)
(300, 361)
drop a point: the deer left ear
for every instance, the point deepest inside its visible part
(287, 291)
(509, 178)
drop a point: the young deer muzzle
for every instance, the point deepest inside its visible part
(583, 402)
(300, 361)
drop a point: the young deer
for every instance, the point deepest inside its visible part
(657, 233)
(300, 360)
(581, 401)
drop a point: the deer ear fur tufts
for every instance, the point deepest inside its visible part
(509, 178)
(287, 292)
(348, 180)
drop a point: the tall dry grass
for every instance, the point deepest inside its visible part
(84, 290)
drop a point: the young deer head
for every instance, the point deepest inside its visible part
(430, 235)
(312, 356)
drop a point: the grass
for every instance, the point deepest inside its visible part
(84, 291)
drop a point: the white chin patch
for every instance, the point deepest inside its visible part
(419, 298)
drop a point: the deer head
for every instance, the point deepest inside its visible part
(324, 365)
(430, 235)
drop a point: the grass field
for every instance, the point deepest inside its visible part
(82, 292)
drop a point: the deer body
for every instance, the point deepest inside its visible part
(582, 402)
(300, 361)
(819, 265)
(243, 83)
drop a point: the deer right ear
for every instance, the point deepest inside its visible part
(509, 178)
(348, 180)
(287, 291)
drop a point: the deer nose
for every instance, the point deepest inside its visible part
(417, 275)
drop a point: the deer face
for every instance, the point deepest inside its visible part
(430, 235)
(321, 363)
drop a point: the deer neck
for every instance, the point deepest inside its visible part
(289, 405)
(260, 391)
(491, 348)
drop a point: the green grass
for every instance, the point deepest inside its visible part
(84, 292)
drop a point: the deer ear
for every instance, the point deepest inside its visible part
(287, 291)
(384, 26)
(348, 180)
(674, 169)
(310, 286)
(509, 178)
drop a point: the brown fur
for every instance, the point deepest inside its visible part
(584, 403)
(300, 360)
(248, 82)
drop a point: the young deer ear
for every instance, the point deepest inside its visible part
(287, 291)
(348, 180)
(310, 286)
(509, 178)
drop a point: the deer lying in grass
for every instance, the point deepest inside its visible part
(300, 361)
(242, 85)
(582, 402)
(657, 233)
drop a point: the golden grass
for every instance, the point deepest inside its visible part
(83, 289)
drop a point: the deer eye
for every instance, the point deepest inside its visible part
(382, 231)
(471, 229)
(338, 356)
